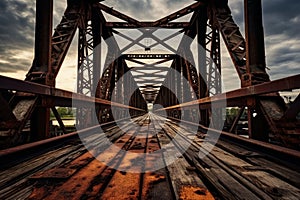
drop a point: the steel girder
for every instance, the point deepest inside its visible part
(85, 73)
(250, 69)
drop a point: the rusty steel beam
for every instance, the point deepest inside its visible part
(148, 56)
(43, 37)
(255, 64)
(125, 25)
(55, 140)
(237, 119)
(40, 127)
(149, 86)
(284, 84)
(133, 41)
(59, 120)
(255, 46)
(156, 76)
(147, 68)
(51, 92)
(233, 39)
(61, 40)
(201, 29)
(164, 22)
(136, 62)
(184, 43)
(167, 38)
(148, 81)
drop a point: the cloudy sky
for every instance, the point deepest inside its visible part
(281, 26)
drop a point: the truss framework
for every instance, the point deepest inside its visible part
(152, 82)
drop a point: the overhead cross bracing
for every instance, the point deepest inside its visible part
(150, 90)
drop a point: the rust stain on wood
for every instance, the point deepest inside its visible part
(195, 193)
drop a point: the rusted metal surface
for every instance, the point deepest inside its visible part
(43, 33)
(164, 22)
(232, 36)
(61, 39)
(148, 56)
(51, 92)
(58, 118)
(284, 84)
(125, 25)
(255, 46)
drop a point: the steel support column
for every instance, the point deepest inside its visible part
(201, 39)
(255, 65)
(255, 46)
(97, 27)
(43, 41)
(214, 68)
(40, 120)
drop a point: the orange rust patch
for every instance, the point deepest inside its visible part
(194, 193)
(40, 192)
(122, 186)
(77, 185)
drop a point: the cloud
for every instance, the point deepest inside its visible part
(282, 17)
(16, 34)
(282, 28)
(144, 7)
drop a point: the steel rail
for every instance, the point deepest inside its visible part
(285, 84)
(8, 83)
(25, 148)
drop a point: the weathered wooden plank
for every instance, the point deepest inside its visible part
(155, 184)
(235, 172)
(22, 186)
(284, 172)
(130, 182)
(219, 175)
(185, 181)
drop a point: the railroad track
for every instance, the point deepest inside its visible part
(67, 170)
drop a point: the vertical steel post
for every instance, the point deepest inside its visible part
(97, 33)
(255, 46)
(256, 64)
(201, 39)
(97, 51)
(43, 38)
(40, 120)
(178, 84)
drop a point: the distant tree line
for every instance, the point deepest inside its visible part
(64, 112)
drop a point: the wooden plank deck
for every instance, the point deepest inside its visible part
(229, 171)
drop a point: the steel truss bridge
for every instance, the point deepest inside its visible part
(144, 87)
